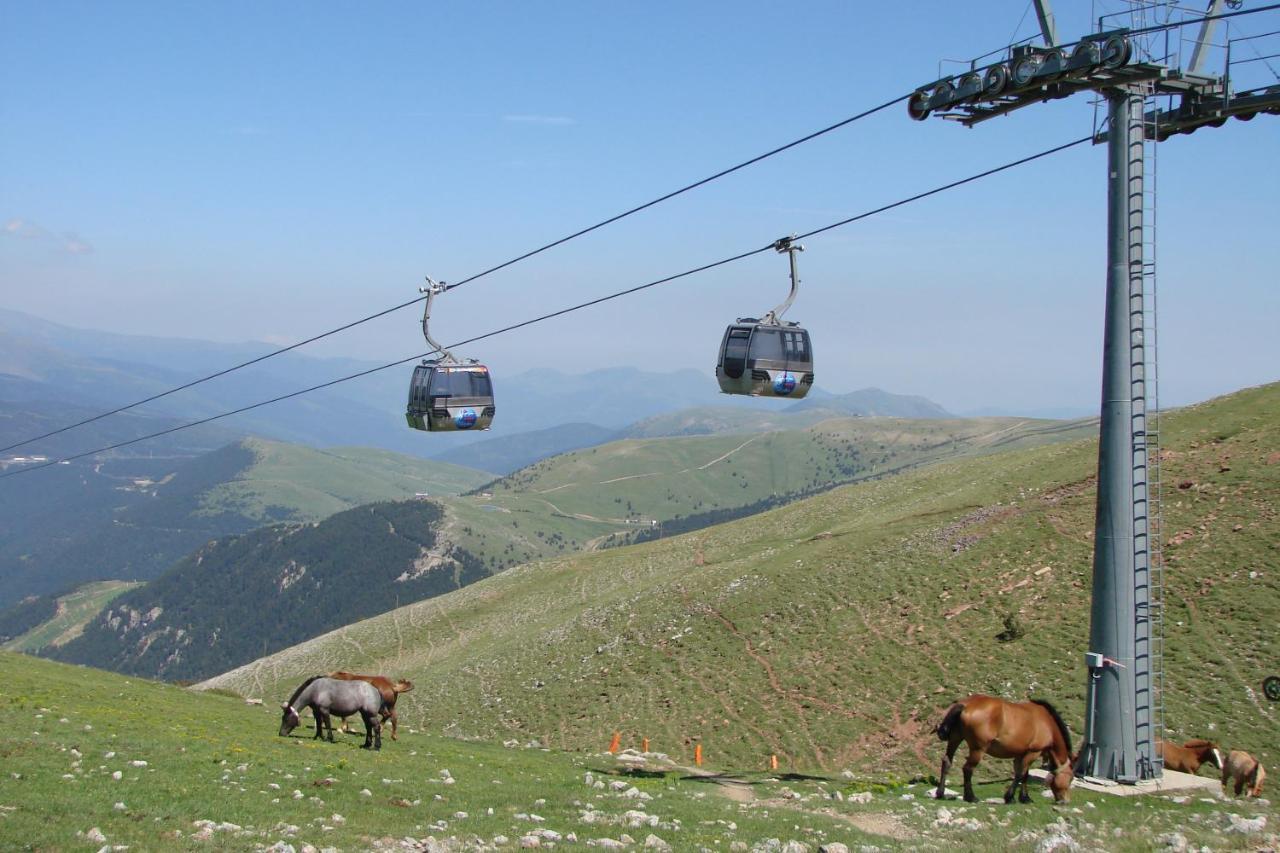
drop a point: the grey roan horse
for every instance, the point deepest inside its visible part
(325, 696)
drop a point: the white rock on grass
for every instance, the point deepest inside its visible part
(95, 835)
(1057, 842)
(860, 797)
(138, 763)
(833, 847)
(1175, 841)
(636, 819)
(120, 807)
(117, 775)
(530, 841)
(365, 792)
(1246, 826)
(653, 842)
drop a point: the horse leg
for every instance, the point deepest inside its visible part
(377, 731)
(319, 715)
(975, 756)
(1027, 761)
(1018, 770)
(328, 724)
(368, 728)
(395, 724)
(952, 744)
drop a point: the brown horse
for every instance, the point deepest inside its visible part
(1188, 757)
(389, 690)
(1245, 770)
(1023, 731)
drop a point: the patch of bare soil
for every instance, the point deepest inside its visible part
(876, 824)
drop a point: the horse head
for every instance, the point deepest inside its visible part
(288, 719)
(1060, 783)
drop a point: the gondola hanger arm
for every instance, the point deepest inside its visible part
(791, 247)
(431, 290)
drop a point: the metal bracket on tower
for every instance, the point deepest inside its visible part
(788, 245)
(431, 290)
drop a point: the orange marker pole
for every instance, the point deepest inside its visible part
(697, 755)
(773, 762)
(616, 742)
(644, 745)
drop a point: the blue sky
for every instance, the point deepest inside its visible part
(247, 171)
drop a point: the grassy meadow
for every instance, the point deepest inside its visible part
(93, 760)
(833, 632)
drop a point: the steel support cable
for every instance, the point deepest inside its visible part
(601, 224)
(561, 312)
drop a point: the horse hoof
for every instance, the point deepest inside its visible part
(1025, 798)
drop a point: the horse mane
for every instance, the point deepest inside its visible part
(1198, 742)
(301, 687)
(1057, 718)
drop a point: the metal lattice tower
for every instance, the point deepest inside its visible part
(1134, 68)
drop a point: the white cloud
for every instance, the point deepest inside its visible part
(67, 242)
(537, 119)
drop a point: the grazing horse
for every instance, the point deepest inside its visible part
(1022, 731)
(1188, 757)
(1244, 769)
(325, 696)
(389, 690)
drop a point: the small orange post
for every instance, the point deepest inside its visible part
(644, 744)
(616, 743)
(697, 755)
(773, 762)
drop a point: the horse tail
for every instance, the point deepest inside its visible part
(949, 721)
(302, 687)
(1057, 719)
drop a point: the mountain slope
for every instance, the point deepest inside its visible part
(872, 402)
(132, 518)
(603, 496)
(832, 632)
(235, 599)
(507, 453)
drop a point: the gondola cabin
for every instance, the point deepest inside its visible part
(764, 360)
(450, 397)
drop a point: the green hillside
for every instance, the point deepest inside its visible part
(133, 518)
(695, 481)
(66, 617)
(239, 598)
(832, 632)
(97, 760)
(312, 484)
(236, 599)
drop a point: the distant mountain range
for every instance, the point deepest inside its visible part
(45, 366)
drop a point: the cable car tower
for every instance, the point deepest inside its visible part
(1134, 69)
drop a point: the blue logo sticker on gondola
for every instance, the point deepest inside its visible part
(784, 383)
(465, 419)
